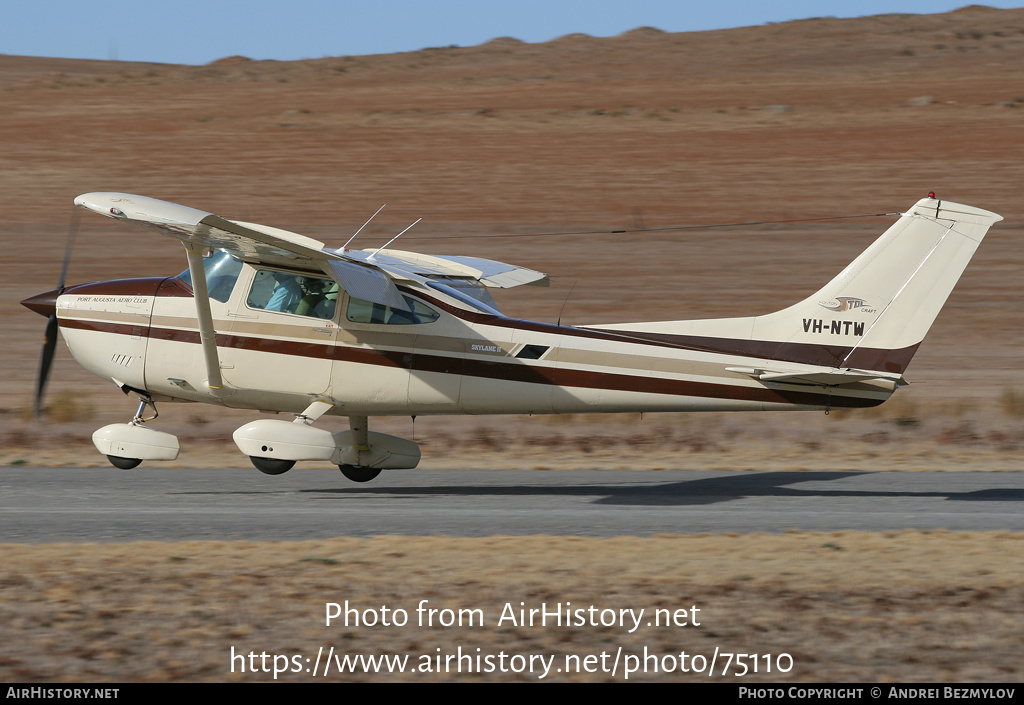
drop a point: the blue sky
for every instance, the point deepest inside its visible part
(200, 31)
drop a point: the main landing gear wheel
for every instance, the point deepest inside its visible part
(124, 463)
(272, 466)
(359, 473)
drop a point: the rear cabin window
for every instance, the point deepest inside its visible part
(293, 293)
(361, 311)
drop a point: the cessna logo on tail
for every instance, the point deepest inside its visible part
(843, 303)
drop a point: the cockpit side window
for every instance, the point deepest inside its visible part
(361, 311)
(293, 293)
(222, 272)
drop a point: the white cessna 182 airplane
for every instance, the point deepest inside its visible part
(271, 320)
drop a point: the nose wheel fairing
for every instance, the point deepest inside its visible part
(126, 445)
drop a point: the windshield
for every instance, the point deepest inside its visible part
(222, 272)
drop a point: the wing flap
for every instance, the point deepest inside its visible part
(368, 283)
(488, 272)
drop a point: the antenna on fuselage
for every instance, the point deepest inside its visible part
(374, 253)
(345, 246)
(562, 310)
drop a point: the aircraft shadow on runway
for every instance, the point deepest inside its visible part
(703, 491)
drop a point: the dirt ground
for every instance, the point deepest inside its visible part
(502, 149)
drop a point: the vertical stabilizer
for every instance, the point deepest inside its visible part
(880, 307)
(872, 316)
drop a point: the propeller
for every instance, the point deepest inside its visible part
(50, 338)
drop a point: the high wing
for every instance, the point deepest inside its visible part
(364, 274)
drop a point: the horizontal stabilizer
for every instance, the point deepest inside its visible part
(822, 376)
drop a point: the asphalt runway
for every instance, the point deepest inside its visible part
(39, 505)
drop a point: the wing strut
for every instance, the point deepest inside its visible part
(207, 334)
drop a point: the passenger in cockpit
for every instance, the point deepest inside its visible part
(325, 309)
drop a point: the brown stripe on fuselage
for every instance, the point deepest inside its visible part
(297, 327)
(880, 359)
(109, 327)
(806, 353)
(125, 317)
(295, 348)
(510, 369)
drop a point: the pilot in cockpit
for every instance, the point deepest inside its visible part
(287, 295)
